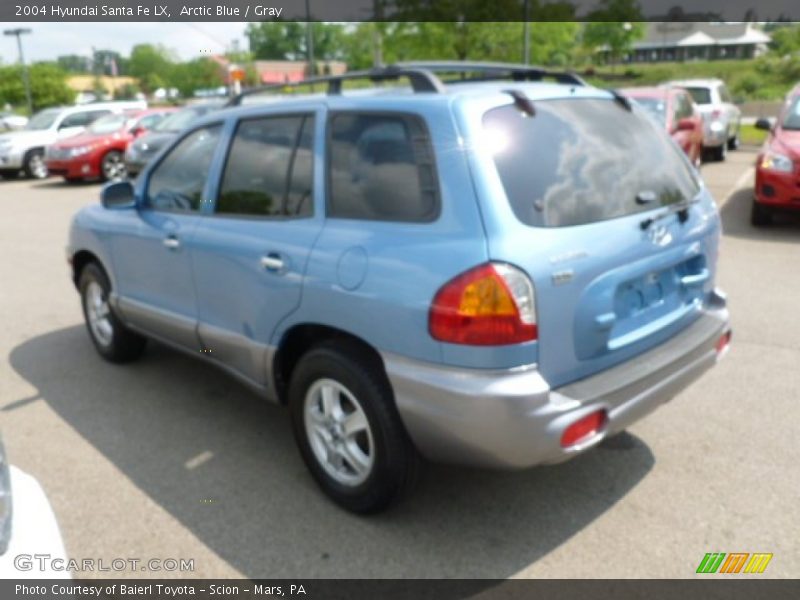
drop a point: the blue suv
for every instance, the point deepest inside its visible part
(493, 265)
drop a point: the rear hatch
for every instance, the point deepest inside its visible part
(610, 222)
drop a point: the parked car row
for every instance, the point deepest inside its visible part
(699, 114)
(92, 141)
(500, 272)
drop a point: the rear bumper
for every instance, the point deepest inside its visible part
(512, 419)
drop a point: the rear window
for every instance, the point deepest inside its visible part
(701, 95)
(582, 161)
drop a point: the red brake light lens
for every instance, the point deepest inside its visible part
(584, 428)
(490, 305)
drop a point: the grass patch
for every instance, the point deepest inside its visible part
(751, 136)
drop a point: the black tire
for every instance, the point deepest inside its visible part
(33, 164)
(112, 166)
(123, 344)
(760, 216)
(734, 142)
(720, 153)
(396, 461)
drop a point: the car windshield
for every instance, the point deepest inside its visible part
(109, 124)
(656, 107)
(583, 161)
(701, 95)
(791, 119)
(43, 119)
(179, 120)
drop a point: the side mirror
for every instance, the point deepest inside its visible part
(137, 131)
(764, 124)
(686, 125)
(118, 195)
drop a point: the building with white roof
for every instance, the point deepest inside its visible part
(679, 41)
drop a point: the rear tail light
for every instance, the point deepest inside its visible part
(490, 305)
(584, 428)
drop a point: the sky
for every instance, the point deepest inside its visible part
(187, 40)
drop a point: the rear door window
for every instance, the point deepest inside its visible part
(381, 167)
(269, 168)
(579, 161)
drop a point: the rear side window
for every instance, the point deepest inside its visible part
(579, 161)
(82, 119)
(269, 168)
(381, 167)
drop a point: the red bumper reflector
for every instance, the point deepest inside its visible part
(723, 341)
(584, 428)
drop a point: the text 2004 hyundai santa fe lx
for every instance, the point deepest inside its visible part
(496, 273)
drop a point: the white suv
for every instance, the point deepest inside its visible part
(24, 149)
(721, 117)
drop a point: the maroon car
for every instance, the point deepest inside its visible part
(674, 108)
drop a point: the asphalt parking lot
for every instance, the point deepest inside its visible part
(169, 458)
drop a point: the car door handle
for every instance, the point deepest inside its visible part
(172, 242)
(273, 262)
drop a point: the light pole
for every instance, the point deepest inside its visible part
(526, 33)
(310, 42)
(19, 32)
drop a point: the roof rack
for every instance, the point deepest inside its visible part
(422, 77)
(492, 71)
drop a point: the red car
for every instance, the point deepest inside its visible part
(97, 153)
(674, 108)
(778, 165)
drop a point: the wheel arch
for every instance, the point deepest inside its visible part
(300, 338)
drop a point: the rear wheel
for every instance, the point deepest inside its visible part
(733, 143)
(760, 216)
(34, 166)
(720, 152)
(348, 430)
(112, 167)
(115, 342)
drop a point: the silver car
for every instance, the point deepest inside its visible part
(721, 117)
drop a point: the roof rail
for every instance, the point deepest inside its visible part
(421, 81)
(422, 76)
(492, 71)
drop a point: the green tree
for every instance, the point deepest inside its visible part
(278, 40)
(48, 86)
(786, 40)
(200, 73)
(151, 65)
(73, 63)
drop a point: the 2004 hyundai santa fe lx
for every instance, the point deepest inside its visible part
(499, 272)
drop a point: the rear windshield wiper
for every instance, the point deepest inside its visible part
(681, 208)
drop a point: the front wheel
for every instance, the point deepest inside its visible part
(34, 166)
(115, 342)
(112, 167)
(348, 430)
